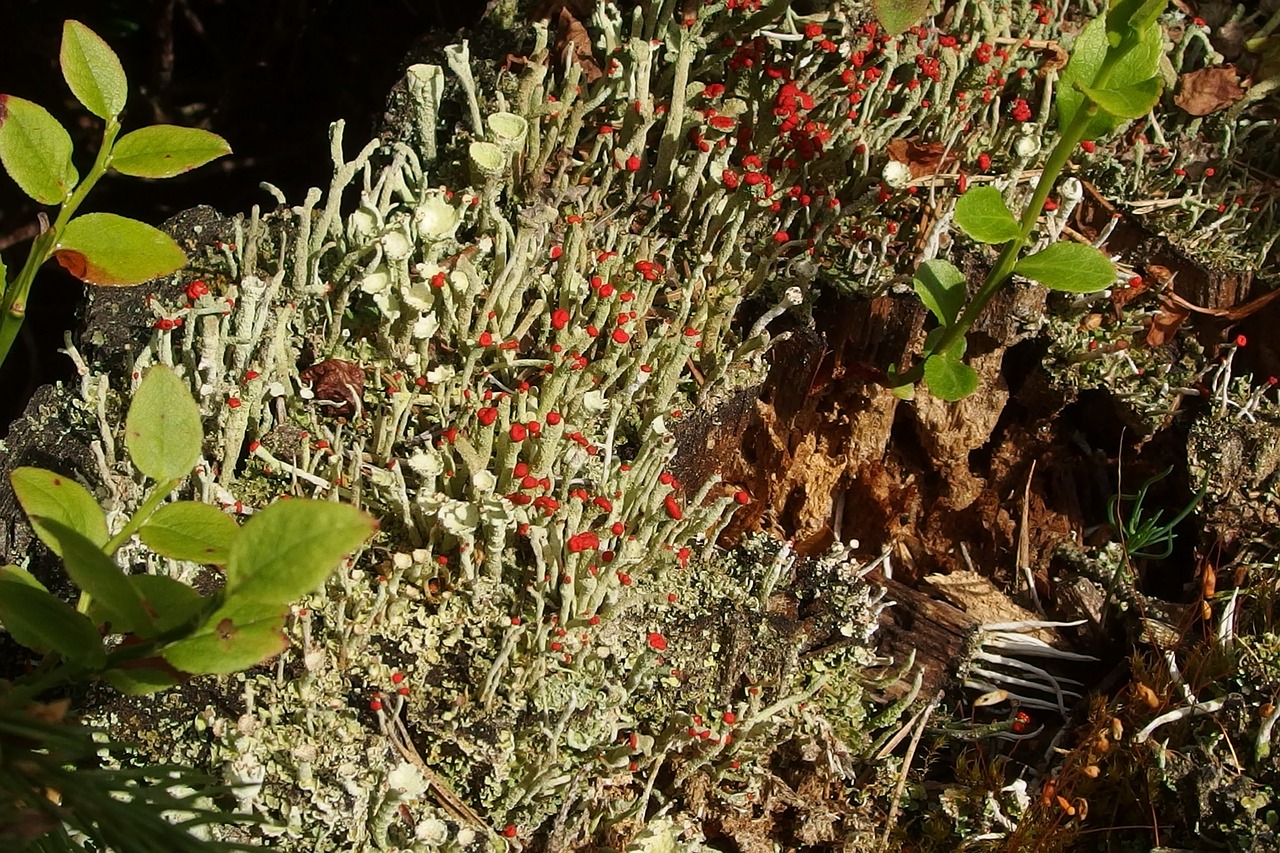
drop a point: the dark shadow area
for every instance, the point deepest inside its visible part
(268, 76)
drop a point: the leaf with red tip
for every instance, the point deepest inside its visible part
(102, 248)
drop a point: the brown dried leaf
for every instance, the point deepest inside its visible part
(1166, 322)
(571, 35)
(1209, 89)
(338, 386)
(921, 158)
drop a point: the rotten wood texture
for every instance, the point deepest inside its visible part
(941, 635)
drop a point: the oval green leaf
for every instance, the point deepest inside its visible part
(237, 636)
(95, 573)
(92, 71)
(897, 16)
(44, 623)
(983, 215)
(1127, 18)
(165, 150)
(1070, 267)
(143, 677)
(1087, 55)
(941, 288)
(163, 430)
(36, 151)
(1129, 101)
(168, 602)
(288, 549)
(187, 530)
(103, 248)
(949, 378)
(49, 494)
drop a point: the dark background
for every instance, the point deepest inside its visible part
(267, 76)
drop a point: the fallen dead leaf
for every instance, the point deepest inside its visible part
(1166, 322)
(1209, 89)
(921, 158)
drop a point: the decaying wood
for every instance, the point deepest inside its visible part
(940, 635)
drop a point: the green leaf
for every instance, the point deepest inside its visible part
(941, 288)
(163, 430)
(1128, 102)
(1127, 17)
(193, 531)
(897, 16)
(1087, 56)
(103, 248)
(44, 623)
(167, 601)
(143, 677)
(92, 71)
(237, 636)
(984, 216)
(51, 495)
(949, 378)
(288, 549)
(1071, 267)
(14, 574)
(36, 151)
(96, 574)
(165, 150)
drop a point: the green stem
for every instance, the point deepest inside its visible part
(1002, 272)
(13, 304)
(139, 518)
(135, 522)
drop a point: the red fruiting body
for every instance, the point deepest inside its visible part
(196, 289)
(1088, 146)
(519, 432)
(553, 418)
(233, 402)
(673, 508)
(487, 415)
(633, 163)
(585, 541)
(657, 642)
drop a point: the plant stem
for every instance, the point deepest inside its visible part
(1003, 269)
(13, 304)
(139, 518)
